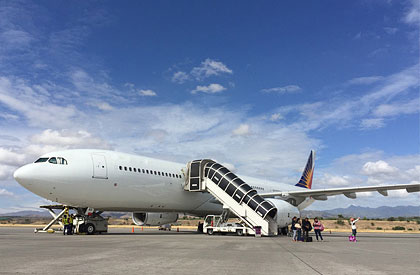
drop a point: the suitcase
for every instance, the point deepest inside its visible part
(309, 239)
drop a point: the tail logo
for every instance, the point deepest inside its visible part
(307, 175)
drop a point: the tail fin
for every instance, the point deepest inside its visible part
(308, 173)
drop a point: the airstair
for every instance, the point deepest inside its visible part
(238, 197)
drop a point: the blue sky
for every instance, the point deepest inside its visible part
(253, 85)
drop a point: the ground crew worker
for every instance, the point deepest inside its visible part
(65, 221)
(70, 226)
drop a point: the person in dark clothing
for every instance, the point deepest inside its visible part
(306, 227)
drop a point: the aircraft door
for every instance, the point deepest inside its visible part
(100, 170)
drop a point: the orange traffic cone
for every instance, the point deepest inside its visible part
(142, 228)
(132, 231)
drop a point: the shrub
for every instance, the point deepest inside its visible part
(378, 228)
(372, 223)
(410, 229)
(418, 221)
(340, 222)
(398, 228)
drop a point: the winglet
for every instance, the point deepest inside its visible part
(308, 173)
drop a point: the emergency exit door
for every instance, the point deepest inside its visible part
(99, 167)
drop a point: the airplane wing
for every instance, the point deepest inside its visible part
(350, 192)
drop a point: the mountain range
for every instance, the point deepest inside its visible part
(368, 212)
(351, 211)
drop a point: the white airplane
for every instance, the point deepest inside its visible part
(154, 190)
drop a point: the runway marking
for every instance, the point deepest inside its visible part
(291, 252)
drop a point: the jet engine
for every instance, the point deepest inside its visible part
(285, 212)
(154, 218)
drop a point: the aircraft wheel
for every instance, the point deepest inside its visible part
(239, 232)
(90, 229)
(210, 231)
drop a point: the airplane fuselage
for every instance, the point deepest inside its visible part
(113, 181)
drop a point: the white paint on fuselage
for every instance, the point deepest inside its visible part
(73, 184)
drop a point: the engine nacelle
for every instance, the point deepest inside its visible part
(154, 218)
(285, 212)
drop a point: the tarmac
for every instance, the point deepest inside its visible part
(187, 252)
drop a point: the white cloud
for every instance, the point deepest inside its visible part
(180, 77)
(334, 180)
(390, 30)
(289, 89)
(69, 139)
(412, 15)
(345, 112)
(242, 130)
(276, 117)
(38, 109)
(147, 93)
(365, 80)
(397, 108)
(372, 123)
(4, 192)
(378, 167)
(8, 157)
(357, 36)
(15, 39)
(414, 173)
(209, 68)
(210, 89)
(6, 172)
(104, 106)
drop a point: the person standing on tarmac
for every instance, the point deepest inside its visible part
(293, 228)
(70, 226)
(298, 227)
(318, 227)
(306, 226)
(65, 221)
(353, 226)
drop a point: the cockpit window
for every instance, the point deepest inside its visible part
(61, 161)
(41, 160)
(53, 160)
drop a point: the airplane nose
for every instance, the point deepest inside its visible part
(22, 175)
(18, 174)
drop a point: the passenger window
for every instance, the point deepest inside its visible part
(53, 160)
(129, 168)
(155, 172)
(147, 171)
(142, 170)
(135, 170)
(41, 160)
(125, 168)
(120, 167)
(139, 170)
(159, 173)
(166, 174)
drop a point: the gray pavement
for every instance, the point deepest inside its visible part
(152, 252)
